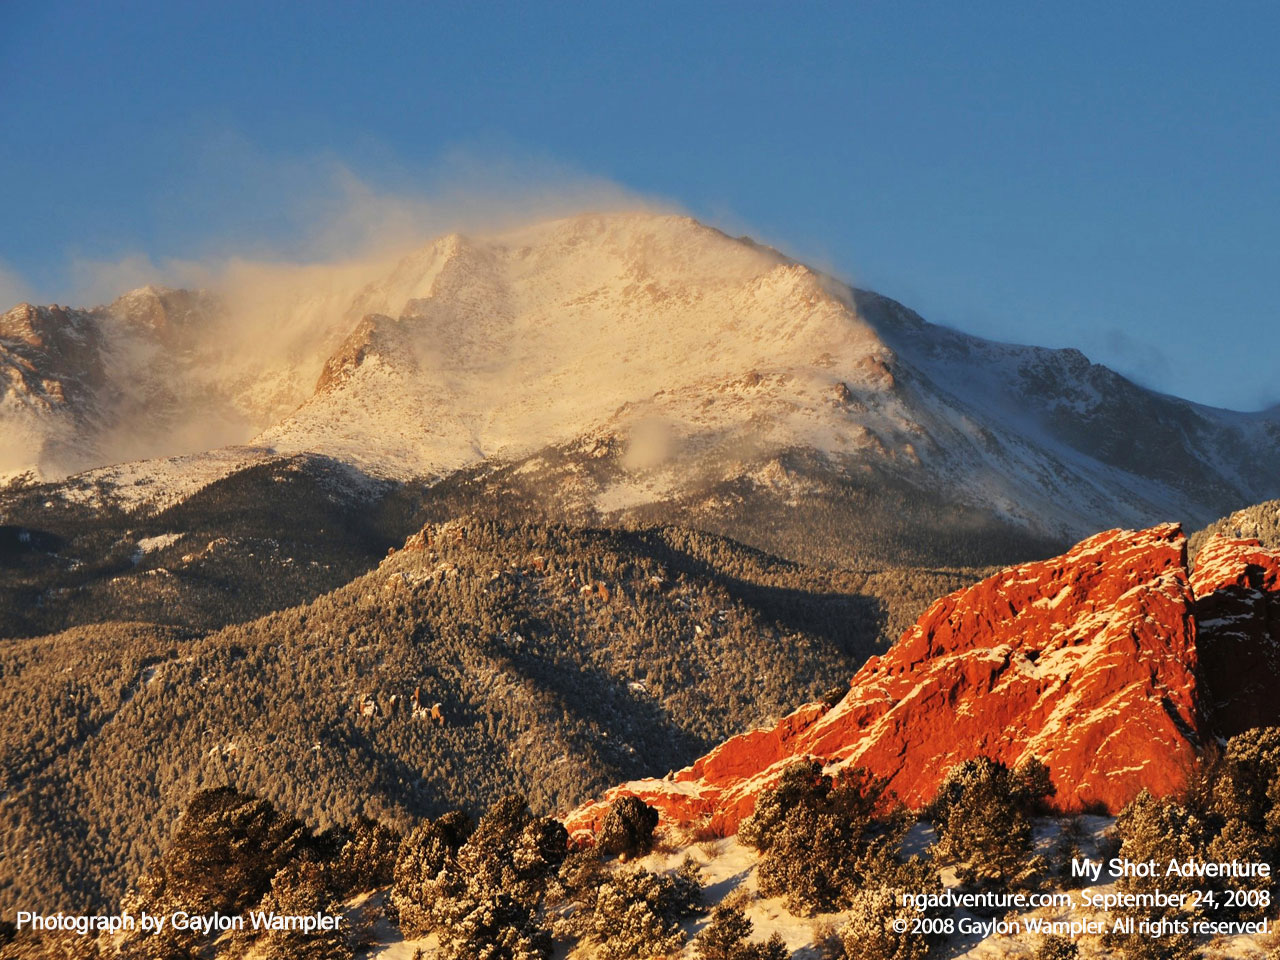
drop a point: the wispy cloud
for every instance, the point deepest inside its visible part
(318, 211)
(13, 289)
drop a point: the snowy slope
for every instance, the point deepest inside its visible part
(700, 356)
(541, 336)
(157, 373)
(685, 359)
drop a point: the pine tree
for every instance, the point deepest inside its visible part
(725, 938)
(823, 838)
(628, 828)
(637, 915)
(872, 932)
(1160, 830)
(982, 813)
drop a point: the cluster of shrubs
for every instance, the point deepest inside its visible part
(502, 888)
(511, 885)
(824, 838)
(983, 813)
(1231, 812)
(232, 852)
(637, 914)
(508, 888)
(832, 843)
(480, 887)
(725, 938)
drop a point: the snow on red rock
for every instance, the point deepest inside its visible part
(1087, 661)
(1237, 588)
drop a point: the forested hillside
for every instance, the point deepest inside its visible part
(561, 660)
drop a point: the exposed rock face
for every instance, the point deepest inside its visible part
(49, 356)
(1237, 588)
(170, 316)
(51, 377)
(1087, 661)
(375, 336)
(82, 387)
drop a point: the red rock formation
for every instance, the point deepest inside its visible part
(1237, 588)
(1086, 661)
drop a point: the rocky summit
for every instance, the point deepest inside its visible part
(1112, 664)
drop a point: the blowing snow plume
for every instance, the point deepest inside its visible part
(208, 353)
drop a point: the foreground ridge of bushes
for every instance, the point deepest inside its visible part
(509, 886)
(1230, 812)
(232, 853)
(823, 838)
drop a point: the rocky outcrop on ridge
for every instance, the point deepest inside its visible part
(1089, 662)
(1260, 521)
(49, 356)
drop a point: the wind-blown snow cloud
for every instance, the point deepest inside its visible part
(13, 289)
(286, 295)
(293, 300)
(318, 212)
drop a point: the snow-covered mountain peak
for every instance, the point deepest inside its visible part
(685, 364)
(477, 347)
(589, 251)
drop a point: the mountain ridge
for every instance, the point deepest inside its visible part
(562, 660)
(632, 366)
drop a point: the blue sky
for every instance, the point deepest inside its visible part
(1097, 175)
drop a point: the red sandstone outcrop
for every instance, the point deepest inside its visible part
(1087, 661)
(1237, 588)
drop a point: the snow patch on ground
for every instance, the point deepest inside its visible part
(149, 486)
(151, 544)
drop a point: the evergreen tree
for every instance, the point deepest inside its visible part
(873, 932)
(822, 838)
(725, 938)
(1160, 830)
(481, 891)
(982, 813)
(637, 915)
(628, 828)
